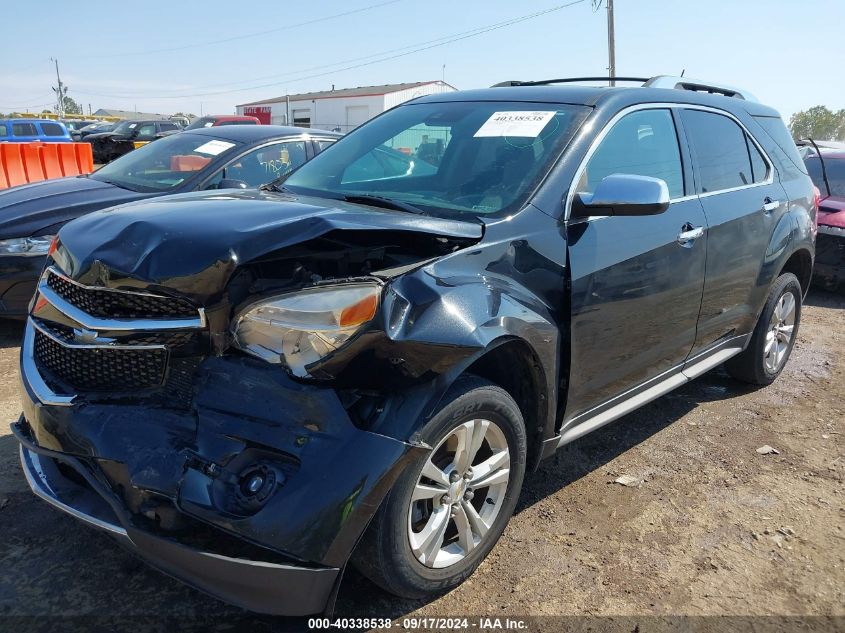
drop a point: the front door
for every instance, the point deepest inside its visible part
(636, 281)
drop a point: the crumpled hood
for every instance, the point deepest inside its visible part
(28, 209)
(193, 242)
(832, 212)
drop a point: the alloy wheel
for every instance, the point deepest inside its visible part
(459, 493)
(779, 335)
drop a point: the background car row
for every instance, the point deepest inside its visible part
(232, 157)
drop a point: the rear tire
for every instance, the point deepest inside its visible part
(773, 337)
(449, 508)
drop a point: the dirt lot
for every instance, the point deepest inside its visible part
(715, 528)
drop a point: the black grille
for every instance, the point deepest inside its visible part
(101, 369)
(120, 305)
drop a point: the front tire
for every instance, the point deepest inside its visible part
(449, 508)
(773, 337)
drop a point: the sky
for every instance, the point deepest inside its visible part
(206, 57)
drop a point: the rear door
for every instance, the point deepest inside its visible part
(743, 202)
(636, 281)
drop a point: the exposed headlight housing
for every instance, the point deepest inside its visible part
(27, 245)
(302, 327)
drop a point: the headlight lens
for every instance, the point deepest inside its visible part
(302, 327)
(26, 245)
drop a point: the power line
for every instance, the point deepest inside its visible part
(424, 46)
(233, 38)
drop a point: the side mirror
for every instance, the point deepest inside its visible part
(623, 194)
(231, 183)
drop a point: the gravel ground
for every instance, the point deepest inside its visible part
(712, 527)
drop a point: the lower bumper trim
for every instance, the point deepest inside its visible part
(255, 585)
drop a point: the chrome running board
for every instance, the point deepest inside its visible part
(663, 384)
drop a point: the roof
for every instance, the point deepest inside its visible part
(27, 120)
(360, 91)
(253, 133)
(129, 114)
(596, 95)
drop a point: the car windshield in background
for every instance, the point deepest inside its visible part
(124, 127)
(201, 123)
(165, 164)
(473, 158)
(835, 168)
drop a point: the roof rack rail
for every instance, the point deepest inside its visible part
(660, 81)
(567, 80)
(685, 83)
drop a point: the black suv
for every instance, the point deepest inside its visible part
(355, 365)
(126, 136)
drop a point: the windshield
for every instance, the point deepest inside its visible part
(165, 164)
(200, 123)
(124, 127)
(835, 168)
(454, 158)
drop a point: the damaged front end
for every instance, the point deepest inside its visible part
(155, 410)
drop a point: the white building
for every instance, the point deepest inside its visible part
(340, 110)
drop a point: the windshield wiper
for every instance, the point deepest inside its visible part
(381, 201)
(274, 185)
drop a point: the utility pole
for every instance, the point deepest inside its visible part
(60, 91)
(611, 43)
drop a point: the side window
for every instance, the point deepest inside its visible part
(166, 127)
(146, 131)
(321, 145)
(3, 129)
(52, 129)
(24, 129)
(759, 167)
(720, 149)
(262, 165)
(643, 143)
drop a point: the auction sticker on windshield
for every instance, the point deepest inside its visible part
(515, 124)
(213, 148)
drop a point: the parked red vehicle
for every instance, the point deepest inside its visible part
(827, 169)
(223, 119)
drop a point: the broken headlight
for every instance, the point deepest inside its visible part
(300, 328)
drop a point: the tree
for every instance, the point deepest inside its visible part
(71, 106)
(818, 123)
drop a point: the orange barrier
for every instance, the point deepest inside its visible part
(21, 163)
(32, 162)
(67, 159)
(11, 161)
(84, 157)
(50, 161)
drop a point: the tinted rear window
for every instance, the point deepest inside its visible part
(52, 129)
(24, 129)
(236, 123)
(835, 174)
(776, 129)
(720, 150)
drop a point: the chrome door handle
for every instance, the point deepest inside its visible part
(684, 237)
(770, 205)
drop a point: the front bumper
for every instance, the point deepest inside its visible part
(252, 584)
(829, 268)
(164, 481)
